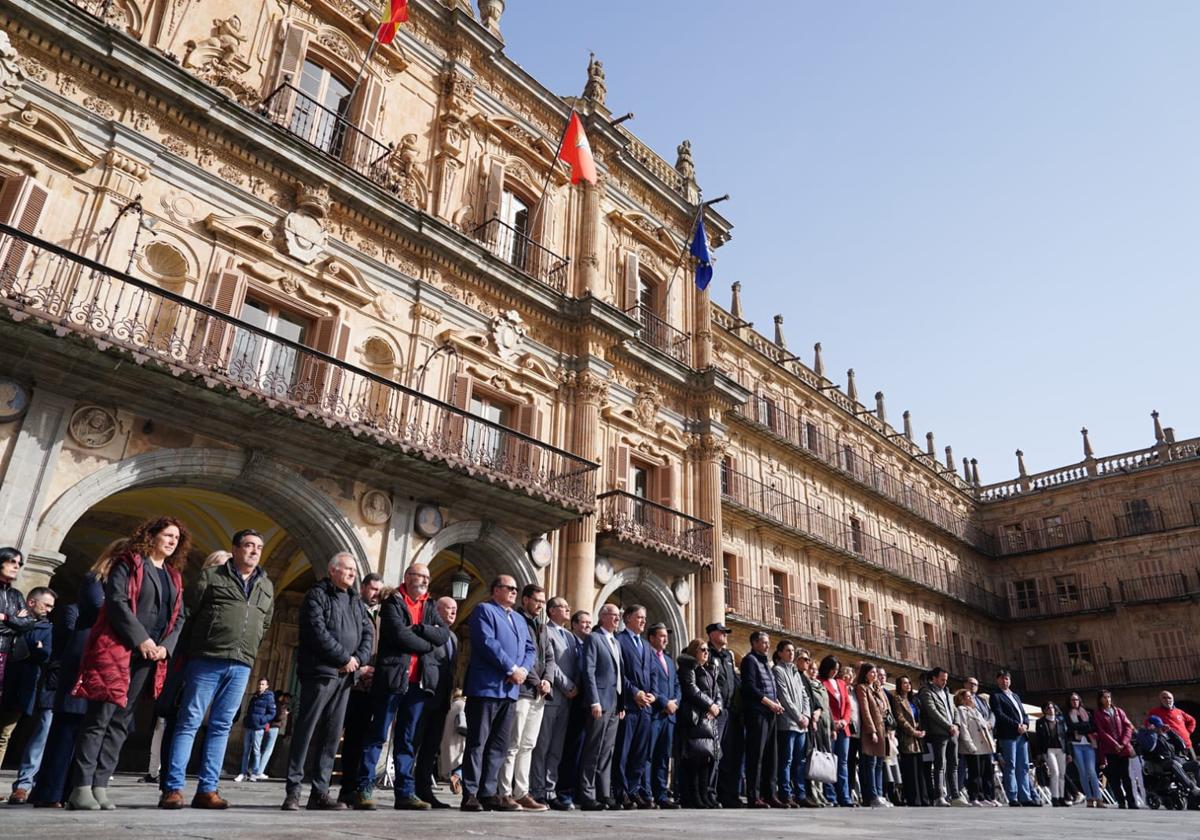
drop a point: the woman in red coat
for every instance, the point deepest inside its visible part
(1114, 742)
(134, 633)
(839, 714)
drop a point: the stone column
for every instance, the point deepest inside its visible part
(590, 390)
(707, 453)
(703, 352)
(397, 541)
(590, 279)
(27, 481)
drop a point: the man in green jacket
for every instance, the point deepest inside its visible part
(228, 610)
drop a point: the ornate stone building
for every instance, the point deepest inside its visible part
(239, 287)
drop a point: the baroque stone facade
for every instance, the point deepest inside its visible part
(342, 311)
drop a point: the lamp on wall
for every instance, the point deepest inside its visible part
(460, 584)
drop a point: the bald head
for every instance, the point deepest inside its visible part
(447, 608)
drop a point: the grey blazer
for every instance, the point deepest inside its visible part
(563, 674)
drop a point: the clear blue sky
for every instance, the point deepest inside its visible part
(991, 211)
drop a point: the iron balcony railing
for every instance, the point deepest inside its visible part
(805, 437)
(1138, 522)
(1068, 602)
(783, 614)
(521, 252)
(44, 285)
(1076, 676)
(632, 519)
(793, 514)
(662, 336)
(1152, 588)
(1042, 539)
(329, 132)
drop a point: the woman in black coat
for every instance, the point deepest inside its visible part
(696, 726)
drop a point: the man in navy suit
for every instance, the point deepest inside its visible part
(665, 685)
(637, 696)
(501, 655)
(1011, 725)
(601, 674)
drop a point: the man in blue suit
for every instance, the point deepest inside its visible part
(501, 655)
(1011, 725)
(637, 696)
(665, 685)
(601, 675)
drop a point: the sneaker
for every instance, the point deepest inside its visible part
(941, 802)
(364, 801)
(975, 803)
(101, 796)
(410, 803)
(259, 777)
(959, 801)
(878, 803)
(240, 777)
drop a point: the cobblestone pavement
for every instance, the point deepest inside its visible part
(256, 815)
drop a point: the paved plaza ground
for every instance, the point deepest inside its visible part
(256, 815)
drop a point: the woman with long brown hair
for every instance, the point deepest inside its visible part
(132, 637)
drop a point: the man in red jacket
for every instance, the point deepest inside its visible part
(1177, 719)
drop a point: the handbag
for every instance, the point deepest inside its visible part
(822, 767)
(700, 748)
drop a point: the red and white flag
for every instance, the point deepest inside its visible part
(577, 152)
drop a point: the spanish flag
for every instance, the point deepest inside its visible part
(397, 15)
(576, 151)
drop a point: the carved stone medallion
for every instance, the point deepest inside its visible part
(93, 427)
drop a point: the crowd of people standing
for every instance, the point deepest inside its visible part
(557, 711)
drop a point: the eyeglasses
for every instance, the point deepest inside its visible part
(506, 587)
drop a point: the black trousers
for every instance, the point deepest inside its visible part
(979, 768)
(1116, 773)
(912, 779)
(760, 757)
(728, 771)
(567, 780)
(489, 723)
(358, 719)
(429, 745)
(105, 728)
(318, 729)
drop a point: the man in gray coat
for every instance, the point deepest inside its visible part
(937, 715)
(564, 681)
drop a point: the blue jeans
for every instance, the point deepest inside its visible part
(35, 747)
(251, 750)
(221, 684)
(841, 749)
(1015, 752)
(870, 778)
(406, 709)
(793, 760)
(264, 753)
(1085, 762)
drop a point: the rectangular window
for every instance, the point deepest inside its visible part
(811, 440)
(514, 240)
(1014, 537)
(1169, 644)
(255, 357)
(898, 634)
(1150, 567)
(726, 470)
(930, 633)
(1036, 663)
(862, 609)
(321, 108)
(488, 441)
(825, 602)
(778, 596)
(1139, 518)
(1079, 657)
(1066, 589)
(1026, 594)
(856, 535)
(732, 590)
(768, 413)
(1054, 531)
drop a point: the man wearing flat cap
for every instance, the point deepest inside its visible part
(727, 773)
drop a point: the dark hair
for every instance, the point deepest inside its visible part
(864, 668)
(779, 646)
(39, 591)
(934, 673)
(1101, 693)
(829, 665)
(578, 615)
(496, 582)
(532, 589)
(8, 553)
(655, 627)
(144, 534)
(242, 534)
(371, 577)
(631, 610)
(758, 634)
(1003, 672)
(556, 602)
(906, 679)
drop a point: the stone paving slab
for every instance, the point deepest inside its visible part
(256, 815)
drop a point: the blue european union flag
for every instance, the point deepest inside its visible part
(699, 250)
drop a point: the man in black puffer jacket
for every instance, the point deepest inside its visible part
(336, 638)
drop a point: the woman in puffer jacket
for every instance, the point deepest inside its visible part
(696, 726)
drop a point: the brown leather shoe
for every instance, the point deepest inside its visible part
(324, 802)
(528, 803)
(210, 800)
(172, 800)
(18, 797)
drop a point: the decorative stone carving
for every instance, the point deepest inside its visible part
(313, 200)
(682, 590)
(508, 331)
(93, 427)
(646, 403)
(303, 236)
(376, 507)
(388, 307)
(595, 90)
(407, 173)
(684, 164)
(14, 400)
(11, 75)
(489, 15)
(216, 60)
(604, 570)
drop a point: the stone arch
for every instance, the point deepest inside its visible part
(506, 556)
(300, 508)
(655, 595)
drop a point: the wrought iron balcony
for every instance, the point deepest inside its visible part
(1166, 670)
(1069, 602)
(48, 288)
(330, 133)
(647, 525)
(522, 253)
(662, 336)
(807, 440)
(1043, 539)
(777, 507)
(1147, 590)
(1139, 522)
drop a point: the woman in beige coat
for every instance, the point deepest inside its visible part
(976, 745)
(874, 736)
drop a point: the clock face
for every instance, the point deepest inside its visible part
(428, 520)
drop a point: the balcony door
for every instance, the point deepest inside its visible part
(514, 240)
(258, 360)
(488, 441)
(321, 108)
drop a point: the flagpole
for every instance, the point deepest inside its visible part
(704, 205)
(562, 138)
(363, 71)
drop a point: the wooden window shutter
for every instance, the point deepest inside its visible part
(22, 202)
(326, 335)
(665, 479)
(622, 468)
(459, 397)
(631, 280)
(367, 156)
(338, 348)
(225, 293)
(291, 63)
(495, 191)
(529, 422)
